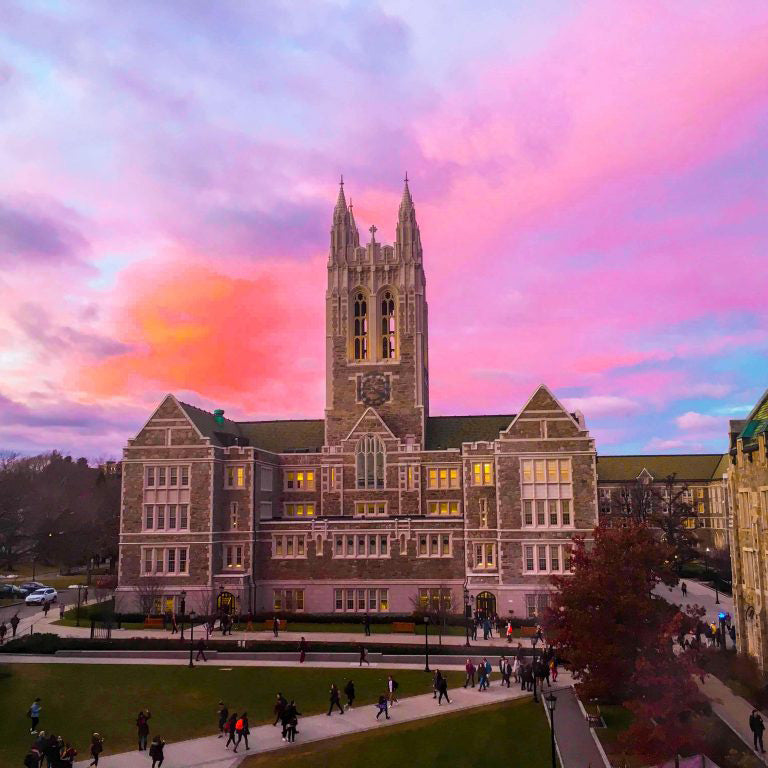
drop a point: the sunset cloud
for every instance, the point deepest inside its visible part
(589, 180)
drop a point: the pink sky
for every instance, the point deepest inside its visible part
(590, 181)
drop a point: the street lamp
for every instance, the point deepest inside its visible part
(551, 704)
(183, 610)
(533, 667)
(467, 613)
(191, 637)
(426, 644)
(714, 579)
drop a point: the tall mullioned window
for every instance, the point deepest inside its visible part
(360, 322)
(388, 327)
(369, 455)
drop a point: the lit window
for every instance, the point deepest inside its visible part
(240, 477)
(357, 600)
(444, 508)
(370, 508)
(300, 481)
(288, 600)
(482, 473)
(388, 327)
(360, 321)
(485, 556)
(299, 510)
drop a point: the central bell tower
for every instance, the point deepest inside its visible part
(376, 327)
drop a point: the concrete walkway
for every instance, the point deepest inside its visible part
(210, 751)
(730, 708)
(698, 594)
(576, 745)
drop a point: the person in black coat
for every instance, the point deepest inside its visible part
(334, 700)
(231, 723)
(243, 730)
(349, 691)
(156, 752)
(291, 719)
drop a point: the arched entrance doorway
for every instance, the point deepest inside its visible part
(485, 604)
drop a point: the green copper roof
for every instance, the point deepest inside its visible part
(757, 422)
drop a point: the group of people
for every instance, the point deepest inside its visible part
(542, 668)
(14, 622)
(157, 747)
(53, 749)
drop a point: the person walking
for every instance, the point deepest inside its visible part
(242, 729)
(156, 752)
(502, 666)
(553, 668)
(382, 707)
(392, 686)
(275, 626)
(367, 624)
(34, 714)
(280, 704)
(436, 677)
(97, 747)
(46, 608)
(516, 670)
(684, 589)
(14, 624)
(223, 714)
(349, 692)
(474, 628)
(302, 650)
(201, 650)
(486, 629)
(174, 624)
(364, 656)
(469, 668)
(757, 726)
(142, 727)
(482, 677)
(510, 632)
(230, 728)
(3, 630)
(68, 755)
(292, 722)
(506, 673)
(443, 690)
(488, 670)
(334, 700)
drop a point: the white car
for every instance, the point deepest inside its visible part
(42, 596)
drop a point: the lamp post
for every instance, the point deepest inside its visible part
(551, 704)
(467, 614)
(77, 613)
(426, 644)
(533, 668)
(191, 637)
(183, 610)
(714, 579)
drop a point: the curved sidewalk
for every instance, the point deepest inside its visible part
(210, 752)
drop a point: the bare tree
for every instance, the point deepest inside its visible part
(437, 604)
(148, 592)
(202, 603)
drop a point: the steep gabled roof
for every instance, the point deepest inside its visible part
(757, 422)
(685, 467)
(296, 436)
(452, 431)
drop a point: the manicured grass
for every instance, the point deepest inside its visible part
(80, 698)
(501, 736)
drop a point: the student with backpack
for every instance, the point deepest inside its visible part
(156, 752)
(382, 707)
(230, 729)
(223, 717)
(291, 721)
(349, 692)
(242, 730)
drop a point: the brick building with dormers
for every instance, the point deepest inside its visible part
(377, 507)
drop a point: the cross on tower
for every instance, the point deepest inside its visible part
(372, 230)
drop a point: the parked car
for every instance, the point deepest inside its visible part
(11, 591)
(29, 587)
(42, 596)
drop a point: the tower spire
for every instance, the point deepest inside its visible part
(408, 240)
(341, 203)
(406, 203)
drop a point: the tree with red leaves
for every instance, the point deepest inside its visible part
(604, 615)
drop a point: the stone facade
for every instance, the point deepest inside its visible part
(379, 506)
(748, 484)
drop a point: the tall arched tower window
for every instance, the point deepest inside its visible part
(360, 329)
(369, 462)
(388, 327)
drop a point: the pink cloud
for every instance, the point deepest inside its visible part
(700, 422)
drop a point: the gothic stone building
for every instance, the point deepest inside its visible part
(379, 506)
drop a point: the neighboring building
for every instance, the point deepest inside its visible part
(700, 477)
(377, 507)
(748, 481)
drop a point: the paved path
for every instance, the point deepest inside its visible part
(575, 743)
(730, 708)
(42, 624)
(210, 751)
(698, 594)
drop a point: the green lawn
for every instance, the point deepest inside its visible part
(79, 698)
(501, 736)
